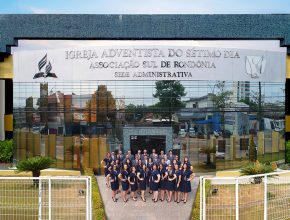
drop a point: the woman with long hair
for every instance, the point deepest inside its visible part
(123, 176)
(142, 180)
(149, 171)
(186, 160)
(114, 182)
(154, 182)
(186, 177)
(177, 187)
(106, 163)
(129, 164)
(170, 182)
(163, 181)
(133, 183)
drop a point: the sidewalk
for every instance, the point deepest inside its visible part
(145, 210)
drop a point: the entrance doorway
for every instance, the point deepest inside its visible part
(148, 142)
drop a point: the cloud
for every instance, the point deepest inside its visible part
(40, 10)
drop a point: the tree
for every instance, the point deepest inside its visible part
(101, 107)
(169, 93)
(256, 104)
(221, 100)
(135, 112)
(252, 150)
(34, 165)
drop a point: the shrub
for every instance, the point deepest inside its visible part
(98, 205)
(6, 151)
(287, 153)
(284, 167)
(256, 168)
(34, 164)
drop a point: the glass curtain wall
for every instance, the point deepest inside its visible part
(218, 124)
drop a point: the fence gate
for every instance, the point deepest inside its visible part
(45, 198)
(265, 196)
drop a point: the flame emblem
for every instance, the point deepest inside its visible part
(47, 73)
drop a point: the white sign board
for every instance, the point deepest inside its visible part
(150, 62)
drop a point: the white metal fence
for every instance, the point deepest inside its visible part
(257, 197)
(45, 198)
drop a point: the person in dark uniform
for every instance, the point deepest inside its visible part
(170, 155)
(173, 163)
(186, 177)
(178, 172)
(114, 182)
(123, 176)
(154, 181)
(163, 181)
(106, 163)
(129, 165)
(171, 179)
(133, 183)
(149, 171)
(177, 160)
(186, 160)
(142, 180)
(138, 169)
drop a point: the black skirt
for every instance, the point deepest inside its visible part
(134, 187)
(153, 186)
(143, 184)
(115, 185)
(185, 186)
(163, 184)
(178, 189)
(107, 172)
(170, 185)
(125, 185)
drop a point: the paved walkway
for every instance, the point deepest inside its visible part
(145, 210)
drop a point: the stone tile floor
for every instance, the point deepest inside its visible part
(145, 210)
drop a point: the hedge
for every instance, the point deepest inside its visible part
(6, 151)
(98, 205)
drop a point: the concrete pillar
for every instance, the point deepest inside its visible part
(213, 142)
(233, 147)
(275, 142)
(261, 143)
(281, 143)
(2, 109)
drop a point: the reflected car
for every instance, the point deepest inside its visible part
(192, 132)
(182, 133)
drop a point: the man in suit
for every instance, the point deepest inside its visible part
(170, 155)
(154, 155)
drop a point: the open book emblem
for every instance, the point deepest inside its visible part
(255, 66)
(47, 70)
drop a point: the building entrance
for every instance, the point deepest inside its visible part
(148, 142)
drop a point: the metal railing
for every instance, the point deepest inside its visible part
(263, 196)
(45, 198)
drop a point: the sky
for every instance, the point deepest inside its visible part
(144, 7)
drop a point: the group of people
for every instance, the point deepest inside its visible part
(164, 175)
